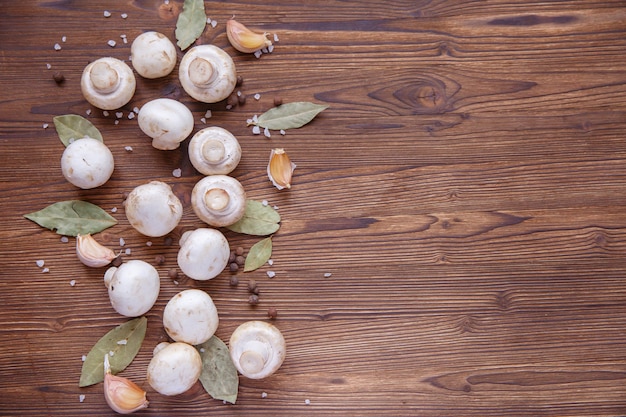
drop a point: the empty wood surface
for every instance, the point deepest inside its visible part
(466, 189)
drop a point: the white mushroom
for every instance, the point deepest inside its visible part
(191, 317)
(87, 163)
(257, 349)
(153, 55)
(153, 209)
(174, 368)
(214, 150)
(207, 73)
(203, 253)
(133, 287)
(168, 122)
(218, 200)
(108, 83)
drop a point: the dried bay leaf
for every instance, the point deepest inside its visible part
(219, 375)
(258, 219)
(259, 253)
(121, 343)
(71, 127)
(191, 23)
(289, 115)
(72, 218)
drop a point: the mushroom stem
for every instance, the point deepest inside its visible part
(213, 150)
(254, 358)
(216, 199)
(201, 71)
(104, 78)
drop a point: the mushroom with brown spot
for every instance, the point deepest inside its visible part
(108, 83)
(207, 73)
(218, 200)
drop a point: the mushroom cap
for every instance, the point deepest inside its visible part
(153, 55)
(207, 73)
(168, 122)
(133, 287)
(218, 200)
(214, 150)
(87, 163)
(203, 253)
(174, 368)
(108, 83)
(257, 349)
(191, 317)
(153, 209)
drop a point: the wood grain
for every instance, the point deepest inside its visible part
(464, 190)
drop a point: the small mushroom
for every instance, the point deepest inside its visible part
(207, 73)
(214, 150)
(191, 317)
(203, 253)
(174, 368)
(168, 122)
(153, 55)
(257, 349)
(108, 83)
(218, 200)
(153, 209)
(87, 163)
(133, 287)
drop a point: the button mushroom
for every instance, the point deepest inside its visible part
(203, 253)
(214, 150)
(218, 200)
(133, 287)
(87, 163)
(153, 55)
(174, 368)
(257, 349)
(108, 83)
(191, 317)
(168, 122)
(153, 209)
(207, 73)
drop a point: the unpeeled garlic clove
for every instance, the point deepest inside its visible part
(280, 169)
(122, 394)
(245, 40)
(91, 253)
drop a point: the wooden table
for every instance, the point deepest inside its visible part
(465, 190)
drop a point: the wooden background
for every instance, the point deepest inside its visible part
(466, 188)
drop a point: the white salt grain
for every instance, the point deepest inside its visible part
(267, 133)
(81, 398)
(83, 358)
(270, 262)
(177, 173)
(265, 202)
(149, 243)
(128, 148)
(122, 241)
(255, 118)
(117, 122)
(328, 275)
(88, 112)
(72, 283)
(271, 274)
(127, 251)
(119, 114)
(131, 115)
(107, 13)
(202, 350)
(208, 114)
(111, 353)
(64, 239)
(122, 342)
(270, 49)
(111, 43)
(57, 47)
(45, 270)
(258, 54)
(282, 132)
(307, 401)
(275, 37)
(203, 120)
(114, 210)
(45, 125)
(124, 15)
(256, 130)
(48, 66)
(264, 395)
(136, 109)
(257, 96)
(41, 263)
(105, 113)
(64, 39)
(213, 23)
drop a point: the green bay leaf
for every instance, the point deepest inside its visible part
(289, 115)
(72, 127)
(258, 219)
(259, 253)
(191, 23)
(121, 343)
(72, 218)
(219, 375)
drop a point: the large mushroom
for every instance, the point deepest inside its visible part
(207, 73)
(153, 55)
(153, 209)
(257, 349)
(108, 83)
(203, 253)
(191, 317)
(174, 368)
(168, 122)
(218, 200)
(214, 150)
(87, 163)
(133, 287)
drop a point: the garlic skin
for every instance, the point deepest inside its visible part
(91, 253)
(122, 394)
(280, 169)
(243, 39)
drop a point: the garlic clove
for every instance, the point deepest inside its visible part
(280, 169)
(122, 394)
(245, 40)
(91, 253)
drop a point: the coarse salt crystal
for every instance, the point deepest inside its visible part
(275, 207)
(203, 120)
(114, 210)
(119, 114)
(117, 122)
(131, 115)
(307, 401)
(282, 132)
(107, 13)
(257, 96)
(177, 173)
(124, 15)
(72, 283)
(45, 270)
(111, 43)
(57, 47)
(122, 342)
(258, 54)
(270, 49)
(65, 239)
(136, 109)
(45, 125)
(328, 275)
(111, 353)
(64, 39)
(41, 263)
(270, 262)
(202, 350)
(48, 66)
(256, 130)
(275, 37)
(264, 50)
(128, 148)
(208, 114)
(83, 358)
(81, 398)
(127, 251)
(88, 112)
(265, 202)
(271, 274)
(149, 243)
(105, 113)
(122, 241)
(255, 118)
(267, 133)
(264, 394)
(213, 23)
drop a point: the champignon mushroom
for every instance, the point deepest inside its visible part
(153, 209)
(257, 349)
(218, 200)
(207, 73)
(108, 83)
(214, 150)
(133, 287)
(191, 317)
(87, 163)
(153, 55)
(203, 253)
(168, 122)
(174, 368)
